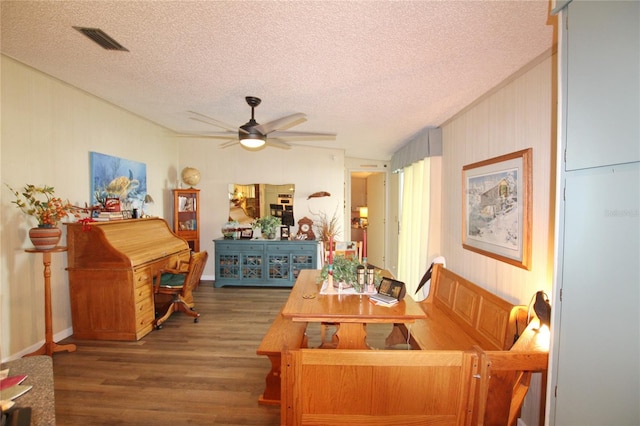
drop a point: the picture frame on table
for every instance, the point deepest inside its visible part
(284, 232)
(246, 233)
(497, 208)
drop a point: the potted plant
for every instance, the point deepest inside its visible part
(345, 271)
(41, 203)
(268, 226)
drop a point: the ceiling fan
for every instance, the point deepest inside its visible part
(253, 135)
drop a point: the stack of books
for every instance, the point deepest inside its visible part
(384, 300)
(11, 387)
(107, 216)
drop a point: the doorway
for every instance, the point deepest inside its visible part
(366, 213)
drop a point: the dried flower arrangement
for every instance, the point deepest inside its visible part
(326, 226)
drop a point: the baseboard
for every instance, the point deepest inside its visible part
(61, 335)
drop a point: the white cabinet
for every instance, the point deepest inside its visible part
(594, 368)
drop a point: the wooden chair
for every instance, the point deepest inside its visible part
(173, 288)
(343, 248)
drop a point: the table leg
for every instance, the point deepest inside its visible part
(49, 346)
(352, 335)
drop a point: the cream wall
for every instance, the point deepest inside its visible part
(309, 169)
(49, 128)
(518, 115)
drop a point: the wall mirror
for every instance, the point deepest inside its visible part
(248, 202)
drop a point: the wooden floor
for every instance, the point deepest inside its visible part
(201, 374)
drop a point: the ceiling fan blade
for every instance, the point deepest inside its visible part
(277, 143)
(281, 123)
(209, 120)
(215, 135)
(229, 143)
(303, 136)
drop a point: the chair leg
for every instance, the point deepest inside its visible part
(182, 306)
(177, 305)
(159, 321)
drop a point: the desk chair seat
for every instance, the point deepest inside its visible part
(173, 288)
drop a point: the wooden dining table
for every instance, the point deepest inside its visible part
(350, 311)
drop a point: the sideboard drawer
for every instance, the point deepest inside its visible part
(258, 246)
(291, 248)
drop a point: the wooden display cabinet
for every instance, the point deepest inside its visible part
(267, 263)
(186, 216)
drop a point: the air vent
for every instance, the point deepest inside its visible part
(102, 38)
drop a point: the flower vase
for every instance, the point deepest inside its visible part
(45, 238)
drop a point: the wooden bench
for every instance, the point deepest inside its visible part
(375, 387)
(461, 315)
(466, 369)
(282, 334)
(418, 387)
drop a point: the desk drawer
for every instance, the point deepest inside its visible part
(143, 293)
(142, 277)
(145, 313)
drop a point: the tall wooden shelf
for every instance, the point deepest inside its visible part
(186, 216)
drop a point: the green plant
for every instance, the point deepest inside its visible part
(345, 269)
(41, 203)
(267, 224)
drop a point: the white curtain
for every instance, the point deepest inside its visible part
(414, 225)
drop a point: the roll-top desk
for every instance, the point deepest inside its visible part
(111, 267)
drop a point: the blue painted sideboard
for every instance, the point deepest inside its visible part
(267, 263)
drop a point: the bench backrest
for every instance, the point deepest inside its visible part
(364, 387)
(486, 317)
(421, 387)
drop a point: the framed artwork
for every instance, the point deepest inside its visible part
(114, 177)
(496, 208)
(284, 232)
(246, 234)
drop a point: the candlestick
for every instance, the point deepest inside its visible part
(331, 250)
(364, 244)
(330, 288)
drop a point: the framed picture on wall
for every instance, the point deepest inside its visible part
(496, 208)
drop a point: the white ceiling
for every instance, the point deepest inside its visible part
(373, 72)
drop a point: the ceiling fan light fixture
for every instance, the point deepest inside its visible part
(249, 136)
(253, 140)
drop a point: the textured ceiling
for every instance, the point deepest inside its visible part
(373, 72)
